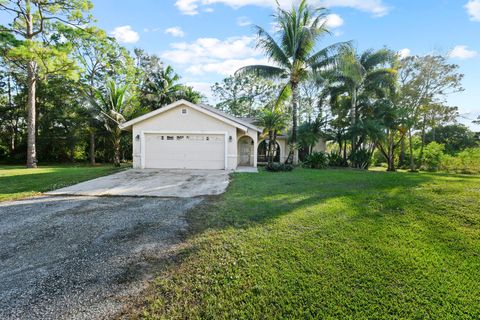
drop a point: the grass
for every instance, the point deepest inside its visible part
(329, 244)
(17, 182)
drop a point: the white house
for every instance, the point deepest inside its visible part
(184, 135)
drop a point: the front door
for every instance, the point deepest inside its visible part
(245, 151)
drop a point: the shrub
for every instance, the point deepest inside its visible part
(360, 159)
(316, 160)
(432, 156)
(279, 167)
(467, 161)
(336, 160)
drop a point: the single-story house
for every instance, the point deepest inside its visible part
(184, 135)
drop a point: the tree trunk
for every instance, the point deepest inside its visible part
(269, 152)
(116, 147)
(116, 152)
(32, 83)
(391, 153)
(92, 147)
(402, 152)
(31, 125)
(72, 150)
(295, 120)
(412, 161)
(423, 139)
(353, 115)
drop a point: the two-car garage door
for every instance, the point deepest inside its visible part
(184, 151)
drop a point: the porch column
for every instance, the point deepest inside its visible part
(255, 149)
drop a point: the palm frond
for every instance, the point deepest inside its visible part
(262, 71)
(271, 48)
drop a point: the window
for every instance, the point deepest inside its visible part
(184, 111)
(180, 137)
(207, 138)
(169, 137)
(163, 138)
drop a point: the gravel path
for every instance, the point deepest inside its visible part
(81, 257)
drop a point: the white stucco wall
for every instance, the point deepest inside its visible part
(194, 121)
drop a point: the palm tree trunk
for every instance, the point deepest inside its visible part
(116, 147)
(270, 157)
(391, 153)
(353, 115)
(295, 120)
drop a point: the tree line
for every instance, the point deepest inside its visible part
(65, 85)
(375, 101)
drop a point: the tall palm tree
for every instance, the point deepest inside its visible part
(114, 108)
(293, 55)
(360, 76)
(273, 121)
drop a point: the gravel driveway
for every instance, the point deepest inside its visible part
(81, 257)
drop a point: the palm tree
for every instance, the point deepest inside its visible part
(293, 55)
(361, 75)
(161, 88)
(114, 107)
(189, 94)
(273, 121)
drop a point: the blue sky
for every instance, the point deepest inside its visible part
(205, 40)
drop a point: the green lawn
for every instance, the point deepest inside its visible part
(332, 244)
(17, 182)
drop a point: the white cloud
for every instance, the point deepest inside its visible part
(462, 52)
(175, 32)
(205, 50)
(473, 9)
(204, 88)
(334, 21)
(152, 30)
(125, 34)
(375, 7)
(225, 67)
(243, 21)
(404, 53)
(212, 55)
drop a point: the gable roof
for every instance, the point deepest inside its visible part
(212, 112)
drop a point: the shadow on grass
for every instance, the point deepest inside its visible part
(258, 199)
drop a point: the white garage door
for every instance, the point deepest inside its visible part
(185, 151)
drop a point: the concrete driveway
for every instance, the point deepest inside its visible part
(85, 257)
(153, 183)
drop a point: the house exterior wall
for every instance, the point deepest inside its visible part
(193, 121)
(321, 146)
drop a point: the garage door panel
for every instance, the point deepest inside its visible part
(199, 151)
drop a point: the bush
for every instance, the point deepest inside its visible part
(279, 167)
(360, 159)
(316, 160)
(467, 161)
(336, 160)
(432, 156)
